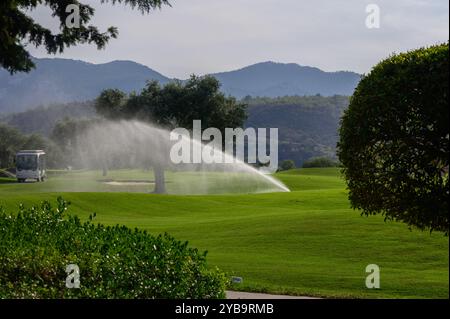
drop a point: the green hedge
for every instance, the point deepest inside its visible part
(320, 162)
(394, 139)
(38, 243)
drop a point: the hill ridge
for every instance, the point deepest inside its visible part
(59, 80)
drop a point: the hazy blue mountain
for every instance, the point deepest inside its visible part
(277, 79)
(63, 80)
(56, 81)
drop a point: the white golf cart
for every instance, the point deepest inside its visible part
(30, 164)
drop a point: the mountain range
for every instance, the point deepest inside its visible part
(65, 80)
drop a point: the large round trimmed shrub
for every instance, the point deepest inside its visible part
(38, 243)
(394, 139)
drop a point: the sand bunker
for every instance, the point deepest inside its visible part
(127, 183)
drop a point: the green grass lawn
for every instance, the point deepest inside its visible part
(306, 242)
(140, 181)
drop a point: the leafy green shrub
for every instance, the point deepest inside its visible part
(287, 165)
(394, 139)
(38, 243)
(320, 162)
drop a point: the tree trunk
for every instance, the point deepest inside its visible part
(105, 170)
(160, 180)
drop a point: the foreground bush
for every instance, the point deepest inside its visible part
(38, 243)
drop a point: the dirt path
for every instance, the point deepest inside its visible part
(251, 295)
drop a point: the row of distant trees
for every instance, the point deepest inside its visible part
(60, 145)
(176, 104)
(314, 162)
(12, 140)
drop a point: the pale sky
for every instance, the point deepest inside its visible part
(207, 36)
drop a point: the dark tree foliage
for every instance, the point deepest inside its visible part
(176, 104)
(308, 125)
(394, 139)
(65, 136)
(12, 140)
(18, 28)
(320, 162)
(110, 103)
(287, 165)
(42, 120)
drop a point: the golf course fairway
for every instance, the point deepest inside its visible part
(306, 242)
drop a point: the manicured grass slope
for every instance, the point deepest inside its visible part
(307, 242)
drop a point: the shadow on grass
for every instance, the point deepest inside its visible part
(4, 180)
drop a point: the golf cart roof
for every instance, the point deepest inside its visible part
(40, 152)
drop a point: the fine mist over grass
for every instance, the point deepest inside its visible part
(131, 156)
(143, 181)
